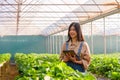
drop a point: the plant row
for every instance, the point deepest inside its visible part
(46, 67)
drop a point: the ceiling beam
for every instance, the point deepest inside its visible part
(94, 18)
(109, 4)
(101, 16)
(52, 12)
(44, 17)
(17, 18)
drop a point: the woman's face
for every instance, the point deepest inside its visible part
(72, 32)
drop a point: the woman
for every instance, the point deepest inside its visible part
(76, 42)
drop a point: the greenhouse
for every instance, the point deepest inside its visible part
(33, 32)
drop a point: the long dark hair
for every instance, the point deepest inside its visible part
(78, 31)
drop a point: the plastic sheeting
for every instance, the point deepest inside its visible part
(46, 17)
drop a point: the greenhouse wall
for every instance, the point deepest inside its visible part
(112, 43)
(22, 44)
(52, 44)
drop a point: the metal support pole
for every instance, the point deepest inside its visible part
(64, 36)
(110, 44)
(56, 44)
(18, 17)
(92, 38)
(53, 44)
(59, 43)
(104, 36)
(48, 44)
(116, 43)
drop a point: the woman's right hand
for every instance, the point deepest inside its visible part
(65, 59)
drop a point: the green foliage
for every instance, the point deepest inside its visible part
(42, 66)
(4, 57)
(106, 65)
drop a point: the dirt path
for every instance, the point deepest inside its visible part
(100, 77)
(9, 71)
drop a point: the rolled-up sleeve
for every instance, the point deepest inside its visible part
(86, 55)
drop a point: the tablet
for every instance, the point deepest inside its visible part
(69, 51)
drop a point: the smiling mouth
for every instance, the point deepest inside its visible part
(71, 34)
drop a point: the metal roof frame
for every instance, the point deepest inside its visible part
(46, 14)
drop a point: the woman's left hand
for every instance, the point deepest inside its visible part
(72, 58)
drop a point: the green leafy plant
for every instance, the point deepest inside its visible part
(42, 66)
(106, 65)
(4, 57)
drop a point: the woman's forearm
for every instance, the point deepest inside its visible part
(79, 62)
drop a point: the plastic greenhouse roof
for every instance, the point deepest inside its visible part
(46, 17)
